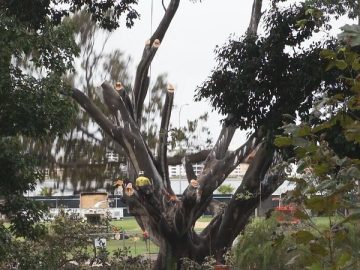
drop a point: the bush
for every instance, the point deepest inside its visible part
(265, 244)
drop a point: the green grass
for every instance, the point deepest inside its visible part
(135, 242)
(127, 224)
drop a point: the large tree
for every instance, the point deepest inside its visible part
(258, 80)
(263, 70)
(168, 219)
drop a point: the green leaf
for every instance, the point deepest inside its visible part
(354, 103)
(301, 23)
(289, 116)
(301, 167)
(353, 172)
(322, 126)
(321, 168)
(304, 130)
(328, 54)
(318, 249)
(298, 141)
(352, 217)
(344, 258)
(356, 64)
(324, 185)
(330, 65)
(293, 260)
(282, 141)
(341, 64)
(315, 266)
(303, 237)
(316, 203)
(301, 215)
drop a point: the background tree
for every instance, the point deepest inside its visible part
(32, 102)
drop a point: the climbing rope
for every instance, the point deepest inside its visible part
(149, 99)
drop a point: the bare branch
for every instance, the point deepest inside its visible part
(193, 158)
(224, 139)
(233, 159)
(162, 2)
(247, 197)
(134, 145)
(215, 171)
(163, 136)
(213, 175)
(166, 20)
(216, 207)
(86, 163)
(141, 78)
(114, 102)
(96, 114)
(255, 17)
(190, 174)
(126, 99)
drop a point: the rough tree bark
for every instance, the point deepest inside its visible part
(170, 220)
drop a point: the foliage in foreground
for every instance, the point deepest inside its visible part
(267, 244)
(328, 167)
(68, 244)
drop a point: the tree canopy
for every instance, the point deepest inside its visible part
(37, 48)
(260, 78)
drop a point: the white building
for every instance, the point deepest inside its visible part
(178, 171)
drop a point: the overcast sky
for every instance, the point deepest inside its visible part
(187, 51)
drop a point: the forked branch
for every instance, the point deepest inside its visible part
(141, 79)
(163, 136)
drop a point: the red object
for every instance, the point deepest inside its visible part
(286, 214)
(145, 235)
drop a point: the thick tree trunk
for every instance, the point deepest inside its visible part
(173, 250)
(170, 220)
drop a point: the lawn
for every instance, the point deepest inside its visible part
(127, 224)
(135, 242)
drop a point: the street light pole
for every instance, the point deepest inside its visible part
(181, 106)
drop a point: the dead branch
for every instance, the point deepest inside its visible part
(224, 139)
(141, 78)
(97, 115)
(163, 136)
(212, 176)
(193, 158)
(190, 174)
(255, 17)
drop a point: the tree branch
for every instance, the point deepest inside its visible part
(190, 174)
(255, 17)
(134, 145)
(141, 78)
(163, 136)
(246, 199)
(193, 158)
(211, 177)
(233, 159)
(96, 114)
(224, 139)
